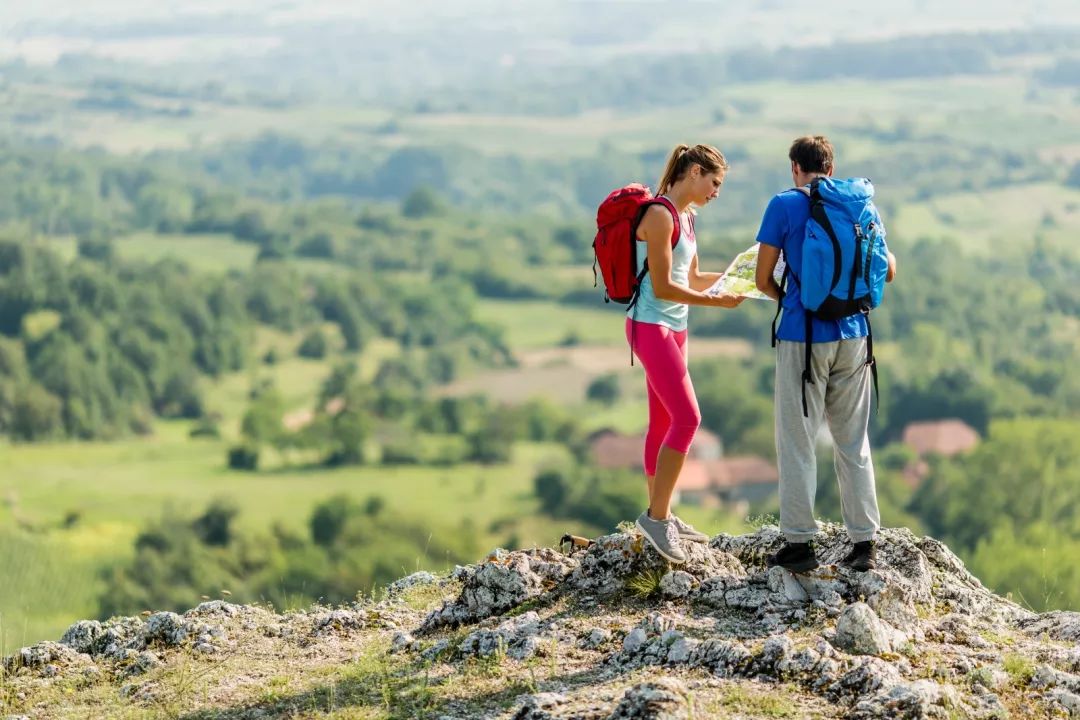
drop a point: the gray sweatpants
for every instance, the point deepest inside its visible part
(841, 394)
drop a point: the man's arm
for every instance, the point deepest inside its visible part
(892, 268)
(770, 237)
(763, 275)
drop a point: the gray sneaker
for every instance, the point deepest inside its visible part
(687, 531)
(662, 535)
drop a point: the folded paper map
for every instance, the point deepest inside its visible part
(738, 279)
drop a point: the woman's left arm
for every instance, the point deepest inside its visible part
(701, 281)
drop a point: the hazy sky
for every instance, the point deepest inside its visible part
(157, 30)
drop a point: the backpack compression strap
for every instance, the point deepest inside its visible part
(675, 233)
(808, 361)
(871, 360)
(817, 212)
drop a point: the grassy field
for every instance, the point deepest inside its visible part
(1003, 217)
(203, 253)
(539, 323)
(50, 573)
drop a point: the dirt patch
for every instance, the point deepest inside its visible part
(563, 373)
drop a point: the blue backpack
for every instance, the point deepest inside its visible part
(844, 261)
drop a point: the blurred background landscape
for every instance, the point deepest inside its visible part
(296, 298)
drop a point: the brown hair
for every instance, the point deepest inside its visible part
(683, 157)
(813, 153)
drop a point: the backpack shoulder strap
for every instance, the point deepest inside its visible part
(676, 231)
(661, 200)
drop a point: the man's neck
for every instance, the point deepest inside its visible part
(807, 178)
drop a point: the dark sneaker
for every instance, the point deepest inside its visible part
(687, 531)
(796, 557)
(663, 536)
(862, 557)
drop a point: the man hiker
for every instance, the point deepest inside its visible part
(836, 382)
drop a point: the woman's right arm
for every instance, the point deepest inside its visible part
(655, 229)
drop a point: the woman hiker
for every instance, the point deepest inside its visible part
(656, 330)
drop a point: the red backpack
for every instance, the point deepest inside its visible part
(615, 246)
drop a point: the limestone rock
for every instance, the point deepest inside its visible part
(661, 699)
(401, 642)
(417, 579)
(727, 658)
(655, 641)
(42, 655)
(1070, 702)
(860, 631)
(1049, 677)
(909, 701)
(82, 635)
(867, 676)
(220, 608)
(517, 637)
(1058, 625)
(541, 706)
(607, 564)
(596, 638)
(677, 584)
(142, 663)
(339, 621)
(500, 584)
(166, 627)
(784, 583)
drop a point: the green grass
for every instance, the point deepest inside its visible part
(754, 700)
(48, 578)
(48, 581)
(538, 323)
(132, 480)
(981, 222)
(216, 253)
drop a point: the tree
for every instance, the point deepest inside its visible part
(604, 389)
(243, 457)
(1026, 471)
(1073, 180)
(493, 442)
(329, 517)
(422, 202)
(314, 345)
(551, 488)
(214, 527)
(262, 423)
(36, 414)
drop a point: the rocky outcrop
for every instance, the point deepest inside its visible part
(614, 632)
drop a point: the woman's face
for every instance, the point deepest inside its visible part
(706, 185)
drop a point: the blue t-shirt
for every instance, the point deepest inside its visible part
(783, 226)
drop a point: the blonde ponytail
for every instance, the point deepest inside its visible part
(682, 157)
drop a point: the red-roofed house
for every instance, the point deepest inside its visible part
(611, 449)
(935, 437)
(707, 477)
(940, 437)
(740, 478)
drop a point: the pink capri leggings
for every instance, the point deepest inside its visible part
(674, 415)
